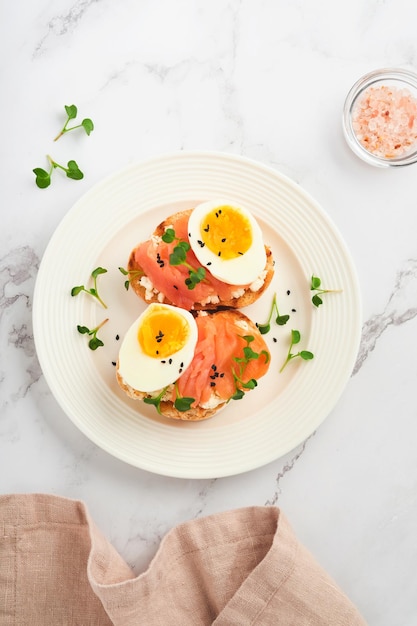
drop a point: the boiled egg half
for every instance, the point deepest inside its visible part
(227, 240)
(158, 347)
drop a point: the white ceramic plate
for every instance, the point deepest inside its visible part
(103, 227)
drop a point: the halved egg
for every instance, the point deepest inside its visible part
(227, 240)
(158, 347)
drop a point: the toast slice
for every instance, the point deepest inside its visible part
(222, 337)
(236, 297)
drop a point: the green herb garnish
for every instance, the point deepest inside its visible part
(94, 290)
(182, 403)
(248, 355)
(315, 285)
(179, 257)
(281, 320)
(71, 112)
(132, 275)
(304, 354)
(94, 342)
(169, 235)
(156, 400)
(43, 177)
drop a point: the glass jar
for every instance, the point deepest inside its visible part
(380, 118)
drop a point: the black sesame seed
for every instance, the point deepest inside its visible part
(212, 384)
(175, 286)
(288, 292)
(113, 363)
(209, 263)
(220, 211)
(221, 375)
(181, 364)
(207, 228)
(170, 361)
(224, 239)
(117, 337)
(294, 310)
(274, 339)
(163, 361)
(219, 253)
(241, 253)
(217, 215)
(189, 234)
(180, 370)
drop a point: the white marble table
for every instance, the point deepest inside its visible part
(266, 80)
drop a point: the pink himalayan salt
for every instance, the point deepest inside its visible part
(385, 121)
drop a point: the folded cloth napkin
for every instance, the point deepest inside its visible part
(238, 568)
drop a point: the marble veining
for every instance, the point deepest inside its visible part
(18, 270)
(289, 465)
(202, 496)
(401, 307)
(64, 23)
(16, 267)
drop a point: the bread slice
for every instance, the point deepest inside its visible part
(166, 407)
(248, 297)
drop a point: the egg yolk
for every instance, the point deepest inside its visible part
(226, 232)
(163, 333)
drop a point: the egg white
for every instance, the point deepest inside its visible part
(146, 373)
(241, 270)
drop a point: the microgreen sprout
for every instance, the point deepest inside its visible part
(71, 111)
(156, 400)
(248, 355)
(315, 285)
(132, 274)
(281, 320)
(179, 257)
(182, 403)
(43, 177)
(94, 290)
(303, 354)
(94, 342)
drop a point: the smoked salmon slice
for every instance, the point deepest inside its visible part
(151, 260)
(224, 359)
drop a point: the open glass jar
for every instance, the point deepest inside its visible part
(380, 118)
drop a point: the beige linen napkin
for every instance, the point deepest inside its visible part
(238, 568)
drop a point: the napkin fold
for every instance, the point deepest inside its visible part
(238, 568)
